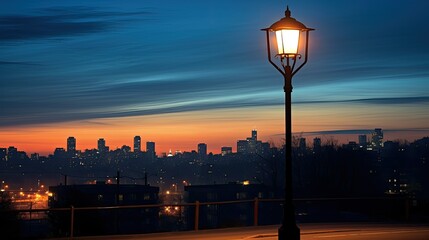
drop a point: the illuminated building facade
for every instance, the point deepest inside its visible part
(226, 150)
(377, 139)
(101, 145)
(137, 144)
(71, 145)
(251, 145)
(362, 141)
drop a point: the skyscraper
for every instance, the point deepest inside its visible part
(12, 153)
(377, 138)
(71, 145)
(202, 151)
(137, 144)
(150, 150)
(362, 141)
(3, 154)
(242, 146)
(101, 145)
(254, 135)
(251, 145)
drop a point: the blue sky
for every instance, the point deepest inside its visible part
(63, 61)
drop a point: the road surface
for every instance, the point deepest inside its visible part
(337, 231)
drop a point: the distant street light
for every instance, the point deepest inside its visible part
(288, 39)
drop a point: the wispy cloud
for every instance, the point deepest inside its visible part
(356, 131)
(198, 56)
(59, 22)
(33, 27)
(17, 63)
(381, 101)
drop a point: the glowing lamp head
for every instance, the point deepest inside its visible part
(287, 41)
(288, 31)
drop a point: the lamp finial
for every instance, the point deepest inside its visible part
(287, 12)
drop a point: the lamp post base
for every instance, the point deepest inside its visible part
(289, 232)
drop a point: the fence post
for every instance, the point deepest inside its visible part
(197, 214)
(255, 212)
(71, 221)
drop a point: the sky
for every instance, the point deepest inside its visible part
(183, 72)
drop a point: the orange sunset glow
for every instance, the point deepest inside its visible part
(216, 128)
(180, 131)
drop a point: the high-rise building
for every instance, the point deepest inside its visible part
(150, 149)
(101, 145)
(12, 153)
(226, 150)
(265, 148)
(137, 144)
(71, 145)
(242, 146)
(3, 154)
(251, 145)
(59, 153)
(202, 151)
(377, 138)
(254, 135)
(362, 141)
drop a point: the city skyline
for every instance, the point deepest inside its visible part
(173, 74)
(102, 145)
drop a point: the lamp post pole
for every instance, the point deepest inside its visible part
(288, 31)
(289, 227)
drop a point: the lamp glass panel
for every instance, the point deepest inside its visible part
(287, 41)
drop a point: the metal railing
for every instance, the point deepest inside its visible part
(257, 203)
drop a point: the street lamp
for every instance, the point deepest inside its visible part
(290, 34)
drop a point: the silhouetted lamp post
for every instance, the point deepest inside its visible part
(291, 40)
